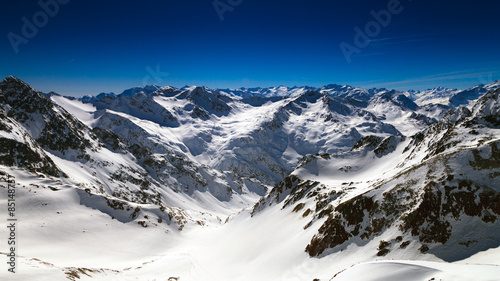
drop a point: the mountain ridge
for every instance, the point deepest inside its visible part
(433, 95)
(350, 174)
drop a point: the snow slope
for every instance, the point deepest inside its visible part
(416, 271)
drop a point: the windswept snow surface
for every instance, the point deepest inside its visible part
(417, 271)
(83, 111)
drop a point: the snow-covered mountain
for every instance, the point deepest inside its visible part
(242, 184)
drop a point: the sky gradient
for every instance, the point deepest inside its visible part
(87, 47)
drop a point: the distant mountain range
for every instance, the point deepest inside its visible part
(252, 184)
(439, 95)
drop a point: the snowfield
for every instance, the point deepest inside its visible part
(416, 271)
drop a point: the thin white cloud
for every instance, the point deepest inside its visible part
(479, 77)
(380, 42)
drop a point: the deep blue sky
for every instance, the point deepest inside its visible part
(89, 46)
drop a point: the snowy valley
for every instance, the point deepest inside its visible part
(303, 183)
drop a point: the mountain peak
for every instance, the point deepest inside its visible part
(148, 89)
(10, 77)
(333, 86)
(15, 87)
(12, 81)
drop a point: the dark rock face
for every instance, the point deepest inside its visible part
(368, 141)
(340, 227)
(13, 153)
(426, 221)
(23, 151)
(109, 138)
(332, 233)
(50, 125)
